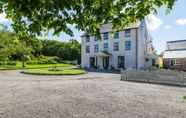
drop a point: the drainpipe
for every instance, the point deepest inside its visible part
(136, 48)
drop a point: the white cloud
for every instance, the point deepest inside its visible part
(153, 22)
(168, 27)
(181, 21)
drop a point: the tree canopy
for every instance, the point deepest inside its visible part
(34, 16)
(14, 48)
(70, 50)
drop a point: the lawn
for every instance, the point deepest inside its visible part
(35, 66)
(46, 71)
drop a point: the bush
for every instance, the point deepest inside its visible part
(2, 63)
(12, 63)
(70, 62)
(43, 60)
(32, 62)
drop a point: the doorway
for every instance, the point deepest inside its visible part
(93, 62)
(105, 62)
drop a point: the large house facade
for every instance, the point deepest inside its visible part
(127, 48)
(175, 55)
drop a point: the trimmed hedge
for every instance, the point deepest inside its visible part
(59, 72)
(11, 63)
(43, 60)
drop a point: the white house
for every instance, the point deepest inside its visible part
(127, 48)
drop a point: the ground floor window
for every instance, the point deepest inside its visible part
(172, 62)
(121, 62)
(153, 62)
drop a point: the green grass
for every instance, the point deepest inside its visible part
(184, 97)
(45, 71)
(19, 66)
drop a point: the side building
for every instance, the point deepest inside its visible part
(175, 55)
(127, 48)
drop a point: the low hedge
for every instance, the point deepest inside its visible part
(49, 72)
(11, 63)
(43, 60)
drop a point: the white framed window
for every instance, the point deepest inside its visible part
(127, 45)
(87, 49)
(128, 33)
(96, 48)
(105, 36)
(173, 62)
(87, 39)
(116, 46)
(116, 35)
(105, 46)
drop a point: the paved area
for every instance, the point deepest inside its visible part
(94, 95)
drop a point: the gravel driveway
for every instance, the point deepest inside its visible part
(94, 95)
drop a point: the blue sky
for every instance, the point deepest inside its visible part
(163, 27)
(172, 26)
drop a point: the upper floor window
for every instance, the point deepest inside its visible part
(105, 46)
(96, 48)
(87, 49)
(116, 46)
(95, 38)
(127, 33)
(127, 45)
(106, 36)
(116, 35)
(87, 39)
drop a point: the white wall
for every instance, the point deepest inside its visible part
(130, 56)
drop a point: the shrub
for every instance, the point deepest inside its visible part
(12, 63)
(43, 60)
(2, 63)
(184, 97)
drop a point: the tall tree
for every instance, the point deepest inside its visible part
(7, 46)
(34, 16)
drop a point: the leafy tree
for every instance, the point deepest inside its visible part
(7, 46)
(65, 50)
(34, 16)
(13, 48)
(23, 52)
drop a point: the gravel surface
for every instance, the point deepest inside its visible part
(94, 95)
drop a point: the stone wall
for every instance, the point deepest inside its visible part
(155, 76)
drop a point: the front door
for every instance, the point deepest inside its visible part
(121, 62)
(92, 62)
(105, 62)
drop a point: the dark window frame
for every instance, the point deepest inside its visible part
(96, 48)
